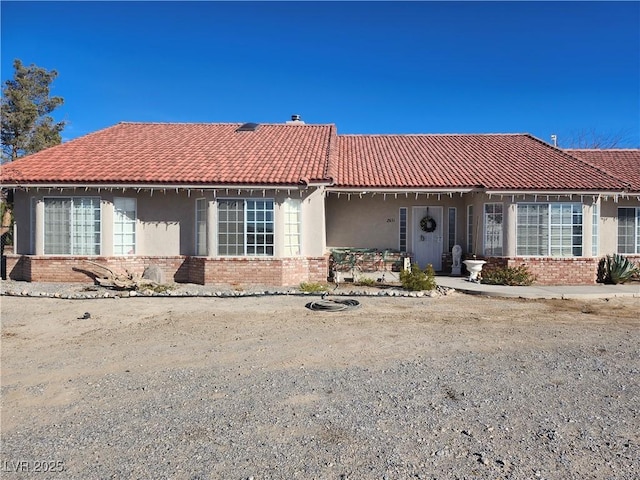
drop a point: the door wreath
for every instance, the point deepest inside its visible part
(428, 224)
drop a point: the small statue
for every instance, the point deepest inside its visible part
(456, 254)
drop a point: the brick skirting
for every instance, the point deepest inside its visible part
(201, 270)
(557, 271)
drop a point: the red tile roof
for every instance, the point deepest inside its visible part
(281, 154)
(621, 163)
(492, 161)
(182, 154)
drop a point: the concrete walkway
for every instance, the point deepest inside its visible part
(541, 291)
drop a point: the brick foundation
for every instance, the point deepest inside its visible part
(554, 271)
(201, 270)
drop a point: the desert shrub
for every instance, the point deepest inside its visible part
(366, 282)
(513, 276)
(616, 269)
(312, 287)
(416, 279)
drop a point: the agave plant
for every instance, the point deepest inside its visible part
(616, 269)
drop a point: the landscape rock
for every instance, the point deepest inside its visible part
(155, 274)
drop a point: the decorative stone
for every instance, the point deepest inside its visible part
(154, 273)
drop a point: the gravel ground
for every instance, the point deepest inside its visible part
(260, 387)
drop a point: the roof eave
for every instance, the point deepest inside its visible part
(158, 186)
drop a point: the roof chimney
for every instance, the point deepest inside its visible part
(295, 120)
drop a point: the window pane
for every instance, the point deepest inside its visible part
(549, 229)
(201, 226)
(124, 226)
(532, 229)
(292, 227)
(493, 229)
(72, 226)
(231, 220)
(261, 213)
(86, 226)
(57, 226)
(403, 229)
(242, 225)
(628, 230)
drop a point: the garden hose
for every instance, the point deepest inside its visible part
(333, 305)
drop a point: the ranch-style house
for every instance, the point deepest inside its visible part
(268, 203)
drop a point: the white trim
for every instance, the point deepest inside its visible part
(555, 193)
(152, 186)
(391, 190)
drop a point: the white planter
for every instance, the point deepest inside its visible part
(474, 267)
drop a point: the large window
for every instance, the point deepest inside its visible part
(629, 230)
(549, 229)
(492, 229)
(292, 227)
(124, 226)
(72, 226)
(201, 226)
(245, 227)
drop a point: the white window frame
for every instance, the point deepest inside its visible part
(73, 248)
(246, 247)
(120, 219)
(554, 230)
(201, 232)
(292, 210)
(635, 236)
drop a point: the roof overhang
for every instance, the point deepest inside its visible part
(559, 194)
(154, 186)
(365, 190)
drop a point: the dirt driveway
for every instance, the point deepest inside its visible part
(450, 387)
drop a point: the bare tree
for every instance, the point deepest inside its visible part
(591, 138)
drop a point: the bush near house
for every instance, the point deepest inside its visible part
(313, 287)
(512, 276)
(416, 279)
(616, 269)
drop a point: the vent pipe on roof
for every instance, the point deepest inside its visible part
(554, 139)
(295, 120)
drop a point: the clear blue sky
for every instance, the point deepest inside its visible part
(368, 67)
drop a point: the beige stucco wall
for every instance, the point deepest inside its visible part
(22, 218)
(374, 221)
(166, 219)
(313, 223)
(609, 222)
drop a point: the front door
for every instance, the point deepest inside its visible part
(427, 241)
